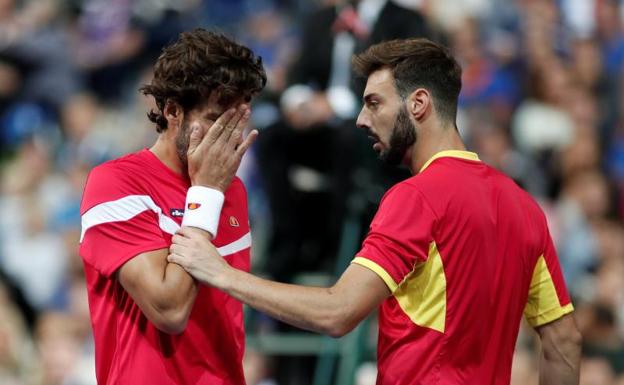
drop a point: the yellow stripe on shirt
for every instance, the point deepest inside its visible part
(383, 274)
(543, 304)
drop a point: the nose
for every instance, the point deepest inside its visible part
(362, 121)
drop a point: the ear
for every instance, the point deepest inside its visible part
(419, 104)
(174, 113)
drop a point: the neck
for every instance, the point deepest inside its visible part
(432, 141)
(165, 150)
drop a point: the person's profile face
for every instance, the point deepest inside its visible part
(385, 118)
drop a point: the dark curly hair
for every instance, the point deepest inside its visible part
(199, 63)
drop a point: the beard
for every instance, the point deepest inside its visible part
(182, 141)
(403, 136)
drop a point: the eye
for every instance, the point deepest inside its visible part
(373, 104)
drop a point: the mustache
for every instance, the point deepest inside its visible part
(371, 134)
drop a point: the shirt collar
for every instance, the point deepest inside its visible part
(453, 154)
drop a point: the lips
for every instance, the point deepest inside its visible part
(376, 141)
(377, 146)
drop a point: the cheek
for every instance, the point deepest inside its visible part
(385, 125)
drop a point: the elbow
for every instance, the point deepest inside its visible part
(171, 320)
(171, 326)
(338, 325)
(338, 331)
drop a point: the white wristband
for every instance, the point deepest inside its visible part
(203, 208)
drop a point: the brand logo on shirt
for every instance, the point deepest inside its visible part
(193, 206)
(234, 222)
(176, 212)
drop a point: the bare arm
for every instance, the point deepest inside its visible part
(561, 352)
(164, 291)
(334, 311)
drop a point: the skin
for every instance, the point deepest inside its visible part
(561, 352)
(207, 145)
(338, 309)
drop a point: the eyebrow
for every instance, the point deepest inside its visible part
(367, 98)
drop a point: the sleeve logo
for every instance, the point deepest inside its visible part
(234, 222)
(176, 212)
(193, 206)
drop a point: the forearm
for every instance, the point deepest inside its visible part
(164, 291)
(178, 288)
(561, 352)
(172, 300)
(312, 308)
(560, 367)
(334, 311)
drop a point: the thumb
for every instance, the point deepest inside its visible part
(196, 136)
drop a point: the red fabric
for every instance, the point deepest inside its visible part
(489, 234)
(129, 349)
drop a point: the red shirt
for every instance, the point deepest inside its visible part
(465, 253)
(133, 205)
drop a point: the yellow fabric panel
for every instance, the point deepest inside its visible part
(378, 270)
(543, 303)
(453, 154)
(422, 294)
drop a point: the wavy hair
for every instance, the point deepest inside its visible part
(199, 63)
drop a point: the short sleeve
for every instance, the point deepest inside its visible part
(117, 225)
(400, 235)
(548, 298)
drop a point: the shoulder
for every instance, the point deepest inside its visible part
(406, 187)
(113, 180)
(404, 196)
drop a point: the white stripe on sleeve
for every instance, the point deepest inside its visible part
(132, 205)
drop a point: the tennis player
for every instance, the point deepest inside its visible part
(152, 323)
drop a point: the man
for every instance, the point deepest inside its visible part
(455, 255)
(152, 323)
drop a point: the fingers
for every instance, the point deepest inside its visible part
(186, 233)
(215, 131)
(224, 127)
(240, 118)
(177, 249)
(236, 134)
(179, 238)
(243, 147)
(177, 259)
(197, 134)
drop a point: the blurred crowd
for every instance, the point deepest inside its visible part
(542, 100)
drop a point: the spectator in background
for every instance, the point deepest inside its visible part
(59, 341)
(541, 124)
(307, 158)
(30, 248)
(17, 359)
